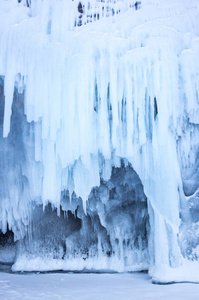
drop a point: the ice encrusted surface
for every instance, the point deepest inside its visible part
(91, 287)
(95, 86)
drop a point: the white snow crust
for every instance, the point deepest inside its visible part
(91, 286)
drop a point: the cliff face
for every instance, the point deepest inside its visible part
(99, 134)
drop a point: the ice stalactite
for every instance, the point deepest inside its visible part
(89, 87)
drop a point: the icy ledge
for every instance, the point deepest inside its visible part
(188, 272)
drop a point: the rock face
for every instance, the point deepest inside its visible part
(99, 134)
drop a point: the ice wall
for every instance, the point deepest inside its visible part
(93, 83)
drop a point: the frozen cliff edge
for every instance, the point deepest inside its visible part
(99, 136)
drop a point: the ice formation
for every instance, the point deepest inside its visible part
(99, 135)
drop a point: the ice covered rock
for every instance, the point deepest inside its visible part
(99, 122)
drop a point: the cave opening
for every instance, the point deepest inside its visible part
(111, 235)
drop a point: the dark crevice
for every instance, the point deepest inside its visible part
(155, 108)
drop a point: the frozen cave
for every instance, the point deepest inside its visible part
(99, 136)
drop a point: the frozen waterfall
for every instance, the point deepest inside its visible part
(99, 136)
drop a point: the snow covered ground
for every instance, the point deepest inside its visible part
(91, 286)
